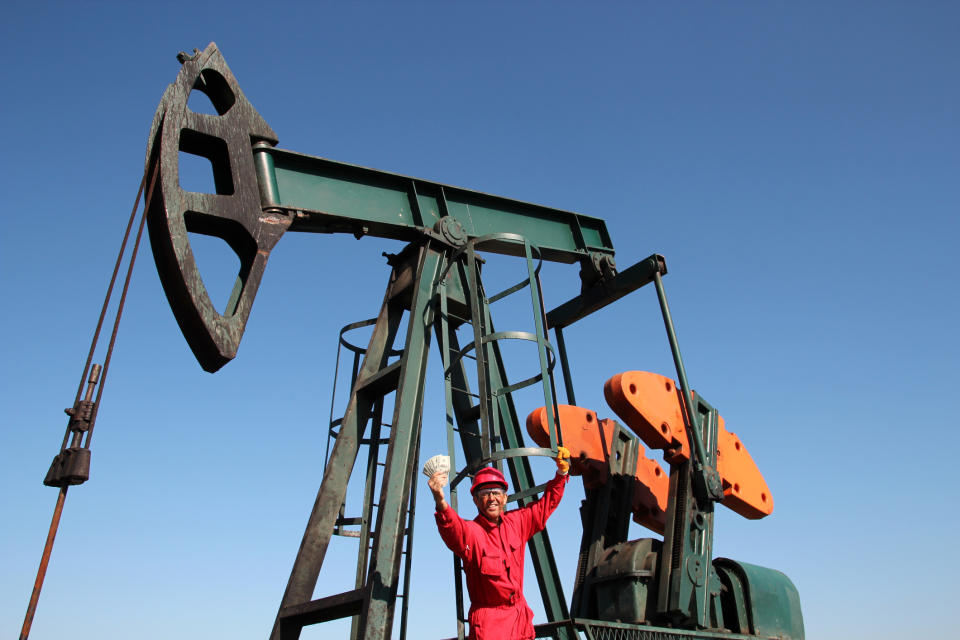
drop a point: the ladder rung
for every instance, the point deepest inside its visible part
(383, 381)
(341, 605)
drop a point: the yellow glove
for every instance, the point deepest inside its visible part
(563, 454)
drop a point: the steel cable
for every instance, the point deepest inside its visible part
(152, 171)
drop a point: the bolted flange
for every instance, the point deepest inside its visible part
(451, 231)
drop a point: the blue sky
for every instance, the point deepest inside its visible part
(796, 163)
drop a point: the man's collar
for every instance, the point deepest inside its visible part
(484, 522)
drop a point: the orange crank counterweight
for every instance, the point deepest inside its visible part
(589, 440)
(650, 404)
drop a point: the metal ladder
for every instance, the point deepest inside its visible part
(374, 442)
(487, 422)
(379, 557)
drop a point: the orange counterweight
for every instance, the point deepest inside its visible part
(588, 439)
(651, 405)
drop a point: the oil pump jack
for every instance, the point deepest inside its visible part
(647, 588)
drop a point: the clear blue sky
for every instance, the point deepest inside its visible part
(797, 164)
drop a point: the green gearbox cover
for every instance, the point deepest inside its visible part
(772, 601)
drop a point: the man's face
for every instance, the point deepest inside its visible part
(490, 500)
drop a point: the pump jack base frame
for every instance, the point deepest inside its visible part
(606, 630)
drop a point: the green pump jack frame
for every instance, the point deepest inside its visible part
(260, 192)
(414, 293)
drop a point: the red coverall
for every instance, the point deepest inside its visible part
(492, 557)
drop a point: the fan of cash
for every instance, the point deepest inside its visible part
(436, 464)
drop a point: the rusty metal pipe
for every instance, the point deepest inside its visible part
(44, 561)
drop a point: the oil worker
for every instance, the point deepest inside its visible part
(491, 547)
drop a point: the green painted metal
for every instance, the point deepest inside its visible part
(593, 299)
(447, 341)
(606, 292)
(541, 552)
(335, 197)
(266, 175)
(372, 382)
(606, 630)
(369, 486)
(565, 366)
(445, 226)
(706, 479)
(624, 579)
(605, 516)
(501, 428)
(480, 318)
(261, 192)
(383, 576)
(768, 598)
(687, 581)
(688, 584)
(407, 553)
(539, 321)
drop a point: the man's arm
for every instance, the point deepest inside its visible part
(436, 483)
(536, 514)
(539, 511)
(452, 528)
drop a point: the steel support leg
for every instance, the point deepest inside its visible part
(383, 575)
(297, 607)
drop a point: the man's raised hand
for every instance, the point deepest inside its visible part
(436, 483)
(563, 457)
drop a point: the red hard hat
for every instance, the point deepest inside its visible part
(488, 475)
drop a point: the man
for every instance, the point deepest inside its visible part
(491, 547)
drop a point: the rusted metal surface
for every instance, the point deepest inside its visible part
(399, 474)
(72, 465)
(44, 561)
(380, 588)
(260, 192)
(233, 213)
